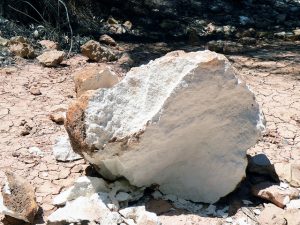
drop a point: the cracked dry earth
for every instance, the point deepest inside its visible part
(273, 73)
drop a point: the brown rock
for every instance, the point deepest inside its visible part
(106, 39)
(274, 193)
(49, 45)
(19, 46)
(51, 58)
(95, 52)
(75, 122)
(272, 215)
(19, 198)
(92, 78)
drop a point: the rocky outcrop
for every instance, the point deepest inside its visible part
(183, 122)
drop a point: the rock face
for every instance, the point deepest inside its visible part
(183, 121)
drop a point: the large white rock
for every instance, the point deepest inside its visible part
(183, 121)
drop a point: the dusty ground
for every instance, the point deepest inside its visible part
(272, 73)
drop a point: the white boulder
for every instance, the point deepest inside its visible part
(183, 121)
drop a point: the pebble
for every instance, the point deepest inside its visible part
(35, 151)
(35, 90)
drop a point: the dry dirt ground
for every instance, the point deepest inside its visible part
(273, 73)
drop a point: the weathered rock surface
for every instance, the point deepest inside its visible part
(183, 121)
(18, 198)
(51, 58)
(94, 77)
(96, 52)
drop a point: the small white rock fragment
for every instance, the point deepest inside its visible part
(293, 204)
(256, 211)
(84, 209)
(35, 151)
(284, 185)
(242, 221)
(62, 150)
(140, 215)
(229, 220)
(83, 186)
